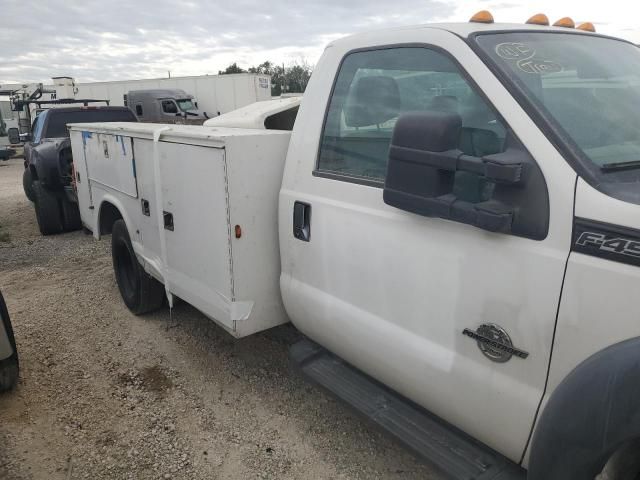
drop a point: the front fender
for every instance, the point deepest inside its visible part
(593, 411)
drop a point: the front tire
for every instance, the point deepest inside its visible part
(48, 211)
(624, 464)
(140, 291)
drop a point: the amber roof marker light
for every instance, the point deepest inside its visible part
(538, 19)
(483, 16)
(565, 22)
(587, 27)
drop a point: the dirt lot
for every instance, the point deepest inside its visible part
(105, 394)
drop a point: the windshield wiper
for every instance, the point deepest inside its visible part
(617, 166)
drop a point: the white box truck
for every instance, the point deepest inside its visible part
(453, 222)
(215, 94)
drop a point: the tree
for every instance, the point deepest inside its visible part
(292, 79)
(297, 77)
(233, 68)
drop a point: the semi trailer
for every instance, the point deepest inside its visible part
(451, 222)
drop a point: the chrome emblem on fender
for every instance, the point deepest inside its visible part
(494, 343)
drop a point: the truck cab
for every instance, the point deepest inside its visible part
(500, 300)
(170, 105)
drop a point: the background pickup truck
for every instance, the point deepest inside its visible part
(453, 221)
(48, 165)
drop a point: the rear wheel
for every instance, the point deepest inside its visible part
(70, 215)
(48, 210)
(27, 184)
(140, 291)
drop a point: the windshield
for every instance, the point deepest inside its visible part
(58, 120)
(186, 105)
(588, 86)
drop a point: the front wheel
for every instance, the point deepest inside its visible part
(624, 464)
(140, 291)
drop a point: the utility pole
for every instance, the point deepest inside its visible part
(284, 79)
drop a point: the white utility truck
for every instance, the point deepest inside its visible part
(453, 223)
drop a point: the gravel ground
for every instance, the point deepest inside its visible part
(104, 394)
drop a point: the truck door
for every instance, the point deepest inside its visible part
(423, 304)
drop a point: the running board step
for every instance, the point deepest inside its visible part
(447, 448)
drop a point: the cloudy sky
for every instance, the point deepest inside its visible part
(123, 39)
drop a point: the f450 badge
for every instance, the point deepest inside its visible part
(623, 246)
(612, 242)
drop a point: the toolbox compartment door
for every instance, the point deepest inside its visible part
(110, 162)
(196, 213)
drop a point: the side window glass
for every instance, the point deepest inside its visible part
(38, 123)
(374, 87)
(169, 106)
(139, 110)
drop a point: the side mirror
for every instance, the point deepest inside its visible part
(425, 162)
(14, 136)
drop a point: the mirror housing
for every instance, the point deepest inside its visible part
(425, 161)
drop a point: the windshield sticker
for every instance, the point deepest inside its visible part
(515, 51)
(523, 55)
(539, 66)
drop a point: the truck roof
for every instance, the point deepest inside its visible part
(161, 92)
(82, 109)
(463, 30)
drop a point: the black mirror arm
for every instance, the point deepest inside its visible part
(500, 168)
(489, 215)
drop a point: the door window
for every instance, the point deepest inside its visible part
(38, 124)
(169, 106)
(374, 87)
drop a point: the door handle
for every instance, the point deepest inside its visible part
(146, 210)
(168, 221)
(302, 221)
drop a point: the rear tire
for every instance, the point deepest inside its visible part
(9, 367)
(70, 216)
(27, 184)
(140, 291)
(48, 211)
